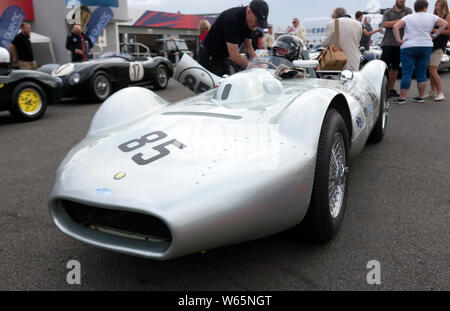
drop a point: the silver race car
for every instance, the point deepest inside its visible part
(260, 152)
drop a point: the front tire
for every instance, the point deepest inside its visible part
(28, 101)
(380, 127)
(329, 196)
(101, 87)
(162, 78)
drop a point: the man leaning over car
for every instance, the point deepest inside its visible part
(233, 27)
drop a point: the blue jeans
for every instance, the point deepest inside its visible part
(418, 58)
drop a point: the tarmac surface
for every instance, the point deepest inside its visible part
(398, 213)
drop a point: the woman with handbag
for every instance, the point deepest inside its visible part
(346, 36)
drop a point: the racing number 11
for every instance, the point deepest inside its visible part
(147, 139)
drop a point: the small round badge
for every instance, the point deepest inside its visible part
(119, 176)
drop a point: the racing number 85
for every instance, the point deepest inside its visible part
(135, 144)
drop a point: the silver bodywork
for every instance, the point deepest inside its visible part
(241, 166)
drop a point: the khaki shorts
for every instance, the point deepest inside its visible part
(435, 58)
(27, 65)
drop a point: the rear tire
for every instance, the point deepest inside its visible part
(162, 77)
(380, 127)
(328, 201)
(101, 87)
(28, 101)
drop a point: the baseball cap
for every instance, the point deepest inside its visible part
(261, 10)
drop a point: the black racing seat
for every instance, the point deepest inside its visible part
(141, 59)
(4, 71)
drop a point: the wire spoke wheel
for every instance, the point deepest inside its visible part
(330, 189)
(162, 76)
(102, 86)
(337, 176)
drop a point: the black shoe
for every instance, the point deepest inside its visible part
(419, 100)
(400, 101)
(393, 93)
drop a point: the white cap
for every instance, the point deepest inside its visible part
(4, 56)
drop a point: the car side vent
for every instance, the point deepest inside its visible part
(226, 91)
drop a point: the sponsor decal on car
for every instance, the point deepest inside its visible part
(359, 122)
(136, 72)
(103, 191)
(120, 176)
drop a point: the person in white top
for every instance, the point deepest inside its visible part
(298, 30)
(269, 39)
(416, 47)
(350, 32)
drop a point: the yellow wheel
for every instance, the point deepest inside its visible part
(28, 101)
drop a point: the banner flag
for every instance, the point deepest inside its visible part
(98, 22)
(10, 22)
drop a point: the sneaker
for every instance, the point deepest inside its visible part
(431, 94)
(393, 93)
(400, 101)
(439, 97)
(419, 100)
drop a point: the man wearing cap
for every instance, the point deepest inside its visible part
(232, 28)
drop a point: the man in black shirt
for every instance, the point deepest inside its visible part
(232, 27)
(79, 44)
(21, 50)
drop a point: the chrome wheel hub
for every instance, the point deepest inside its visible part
(162, 77)
(101, 86)
(337, 176)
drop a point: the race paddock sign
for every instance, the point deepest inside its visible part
(194, 76)
(10, 22)
(25, 5)
(98, 22)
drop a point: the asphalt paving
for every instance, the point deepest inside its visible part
(398, 213)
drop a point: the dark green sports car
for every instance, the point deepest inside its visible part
(26, 93)
(97, 79)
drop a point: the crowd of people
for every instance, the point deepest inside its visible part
(78, 43)
(415, 40)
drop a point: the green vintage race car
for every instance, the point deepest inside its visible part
(97, 79)
(26, 93)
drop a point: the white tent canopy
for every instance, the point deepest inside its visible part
(37, 38)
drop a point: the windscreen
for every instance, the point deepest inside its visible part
(182, 45)
(269, 62)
